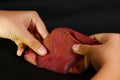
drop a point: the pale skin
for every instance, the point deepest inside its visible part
(23, 26)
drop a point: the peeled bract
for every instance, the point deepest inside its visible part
(60, 57)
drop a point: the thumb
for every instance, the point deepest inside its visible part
(37, 47)
(33, 43)
(81, 49)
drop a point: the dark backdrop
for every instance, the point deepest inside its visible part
(86, 16)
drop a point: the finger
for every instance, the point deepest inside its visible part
(101, 37)
(30, 57)
(86, 62)
(81, 49)
(84, 49)
(40, 26)
(33, 43)
(21, 48)
(42, 30)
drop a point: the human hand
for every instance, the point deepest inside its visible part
(105, 57)
(22, 27)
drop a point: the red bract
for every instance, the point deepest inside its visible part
(60, 57)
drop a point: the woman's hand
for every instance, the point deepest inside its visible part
(105, 57)
(24, 28)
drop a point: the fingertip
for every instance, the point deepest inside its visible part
(92, 36)
(42, 51)
(43, 32)
(19, 52)
(76, 47)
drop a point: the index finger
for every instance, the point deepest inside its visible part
(40, 26)
(101, 37)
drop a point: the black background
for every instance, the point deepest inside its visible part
(85, 16)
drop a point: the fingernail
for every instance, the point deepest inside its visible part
(76, 47)
(20, 51)
(42, 51)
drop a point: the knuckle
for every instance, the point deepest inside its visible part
(115, 37)
(34, 13)
(84, 48)
(34, 44)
